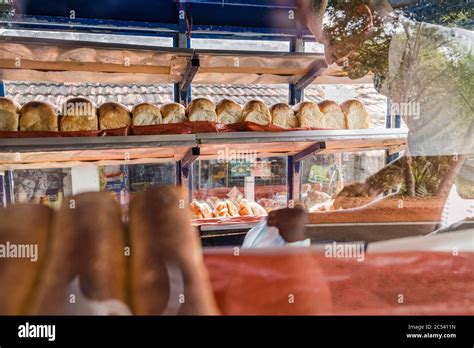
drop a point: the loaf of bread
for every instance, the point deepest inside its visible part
(9, 115)
(26, 226)
(146, 114)
(309, 115)
(229, 112)
(202, 109)
(38, 116)
(333, 116)
(257, 112)
(284, 116)
(173, 113)
(78, 114)
(356, 115)
(167, 272)
(87, 257)
(114, 115)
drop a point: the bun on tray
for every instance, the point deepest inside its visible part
(78, 114)
(229, 112)
(356, 115)
(309, 115)
(114, 115)
(9, 115)
(333, 116)
(202, 109)
(38, 116)
(283, 116)
(146, 114)
(173, 113)
(257, 112)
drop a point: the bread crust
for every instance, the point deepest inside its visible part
(333, 116)
(202, 109)
(173, 113)
(146, 114)
(9, 115)
(283, 116)
(355, 114)
(38, 116)
(257, 111)
(114, 115)
(309, 115)
(229, 112)
(79, 114)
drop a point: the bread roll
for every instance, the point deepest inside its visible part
(244, 208)
(146, 114)
(206, 210)
(173, 113)
(283, 116)
(168, 275)
(114, 115)
(196, 210)
(309, 115)
(257, 112)
(221, 210)
(38, 116)
(87, 247)
(333, 116)
(23, 226)
(79, 114)
(356, 115)
(233, 211)
(202, 109)
(9, 115)
(229, 112)
(257, 209)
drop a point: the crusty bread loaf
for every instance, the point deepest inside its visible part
(309, 115)
(202, 109)
(114, 115)
(87, 248)
(38, 116)
(356, 114)
(22, 225)
(283, 116)
(173, 113)
(256, 111)
(333, 116)
(168, 275)
(146, 114)
(233, 211)
(229, 112)
(78, 114)
(9, 115)
(221, 210)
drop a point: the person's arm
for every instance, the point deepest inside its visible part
(291, 223)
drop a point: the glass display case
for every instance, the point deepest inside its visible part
(262, 180)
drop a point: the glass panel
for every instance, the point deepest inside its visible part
(263, 181)
(323, 176)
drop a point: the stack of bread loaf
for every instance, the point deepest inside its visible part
(226, 208)
(80, 114)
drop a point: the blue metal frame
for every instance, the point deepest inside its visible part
(2, 88)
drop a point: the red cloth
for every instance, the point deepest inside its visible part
(259, 282)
